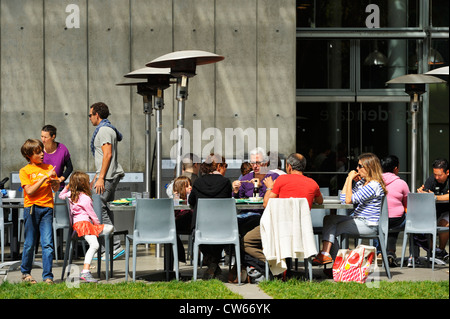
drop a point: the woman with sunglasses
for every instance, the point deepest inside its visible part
(365, 189)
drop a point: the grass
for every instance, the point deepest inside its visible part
(298, 289)
(211, 289)
(214, 289)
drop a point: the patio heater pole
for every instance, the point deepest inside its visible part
(415, 87)
(182, 93)
(158, 106)
(158, 79)
(414, 108)
(182, 65)
(148, 113)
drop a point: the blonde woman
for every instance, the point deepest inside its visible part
(367, 195)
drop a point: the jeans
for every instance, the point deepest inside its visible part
(107, 214)
(38, 220)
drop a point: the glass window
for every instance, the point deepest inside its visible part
(323, 64)
(333, 135)
(383, 60)
(352, 14)
(439, 13)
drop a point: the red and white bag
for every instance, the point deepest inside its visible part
(353, 265)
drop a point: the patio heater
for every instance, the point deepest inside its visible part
(157, 81)
(414, 87)
(439, 71)
(183, 65)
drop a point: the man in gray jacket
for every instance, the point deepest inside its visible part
(108, 170)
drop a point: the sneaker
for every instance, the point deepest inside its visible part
(322, 260)
(392, 259)
(417, 262)
(254, 276)
(116, 254)
(87, 277)
(441, 254)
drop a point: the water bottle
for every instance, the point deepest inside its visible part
(176, 199)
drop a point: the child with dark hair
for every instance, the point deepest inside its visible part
(37, 180)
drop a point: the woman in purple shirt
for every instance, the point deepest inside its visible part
(56, 154)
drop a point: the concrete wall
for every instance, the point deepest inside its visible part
(51, 74)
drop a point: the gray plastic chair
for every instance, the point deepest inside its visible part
(420, 219)
(216, 223)
(3, 224)
(154, 223)
(317, 216)
(60, 220)
(381, 234)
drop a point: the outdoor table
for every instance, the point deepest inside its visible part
(330, 202)
(14, 204)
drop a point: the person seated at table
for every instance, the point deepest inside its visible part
(38, 180)
(397, 196)
(439, 185)
(212, 184)
(190, 168)
(183, 218)
(367, 194)
(275, 157)
(293, 184)
(246, 168)
(251, 182)
(84, 218)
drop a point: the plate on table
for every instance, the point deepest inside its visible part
(249, 201)
(121, 202)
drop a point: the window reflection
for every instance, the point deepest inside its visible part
(333, 135)
(323, 64)
(352, 14)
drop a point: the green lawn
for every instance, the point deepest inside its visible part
(214, 289)
(298, 289)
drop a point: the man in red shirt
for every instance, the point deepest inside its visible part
(294, 184)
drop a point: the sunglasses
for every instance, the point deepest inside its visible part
(360, 166)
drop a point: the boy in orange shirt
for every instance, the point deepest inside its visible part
(37, 180)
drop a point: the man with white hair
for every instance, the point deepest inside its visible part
(250, 184)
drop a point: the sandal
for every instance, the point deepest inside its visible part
(233, 278)
(28, 278)
(49, 281)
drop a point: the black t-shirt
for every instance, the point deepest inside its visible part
(438, 189)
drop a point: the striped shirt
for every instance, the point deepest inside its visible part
(368, 199)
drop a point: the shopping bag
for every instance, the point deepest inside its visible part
(353, 265)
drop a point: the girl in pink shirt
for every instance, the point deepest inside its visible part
(84, 218)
